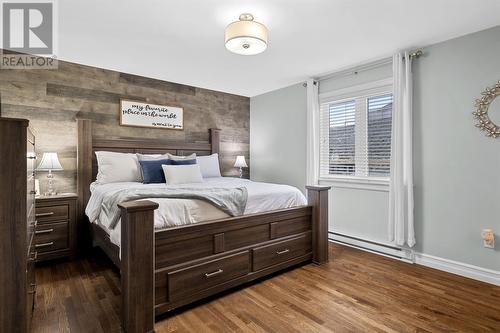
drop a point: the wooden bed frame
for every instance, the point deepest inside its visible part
(165, 269)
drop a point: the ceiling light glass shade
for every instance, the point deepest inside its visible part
(246, 36)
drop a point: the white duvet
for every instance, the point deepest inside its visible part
(262, 197)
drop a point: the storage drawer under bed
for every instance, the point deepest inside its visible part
(196, 278)
(275, 253)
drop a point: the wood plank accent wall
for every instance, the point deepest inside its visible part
(53, 99)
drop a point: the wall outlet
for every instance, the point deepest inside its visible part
(488, 238)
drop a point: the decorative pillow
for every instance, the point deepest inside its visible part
(117, 167)
(149, 157)
(182, 174)
(183, 162)
(176, 157)
(152, 171)
(209, 165)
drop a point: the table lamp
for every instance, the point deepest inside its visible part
(240, 163)
(50, 162)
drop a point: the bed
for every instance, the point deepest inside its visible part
(167, 265)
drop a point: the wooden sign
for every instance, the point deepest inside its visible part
(139, 114)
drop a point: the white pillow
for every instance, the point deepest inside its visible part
(182, 174)
(176, 157)
(209, 165)
(117, 167)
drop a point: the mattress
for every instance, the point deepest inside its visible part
(262, 197)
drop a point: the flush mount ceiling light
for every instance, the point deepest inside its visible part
(246, 36)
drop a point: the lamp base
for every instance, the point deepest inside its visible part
(50, 181)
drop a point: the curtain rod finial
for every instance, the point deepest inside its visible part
(416, 54)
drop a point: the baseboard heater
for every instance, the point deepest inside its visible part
(371, 246)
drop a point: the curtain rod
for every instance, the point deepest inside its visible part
(363, 67)
(346, 71)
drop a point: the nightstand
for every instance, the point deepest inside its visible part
(55, 233)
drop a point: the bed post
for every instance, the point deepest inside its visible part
(84, 178)
(137, 265)
(215, 140)
(84, 161)
(317, 197)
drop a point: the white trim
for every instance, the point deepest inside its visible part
(368, 183)
(459, 268)
(388, 250)
(360, 90)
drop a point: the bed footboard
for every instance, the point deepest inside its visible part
(163, 270)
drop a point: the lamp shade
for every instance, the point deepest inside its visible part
(50, 162)
(246, 37)
(240, 162)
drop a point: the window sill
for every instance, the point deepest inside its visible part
(372, 184)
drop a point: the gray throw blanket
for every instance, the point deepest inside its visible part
(231, 201)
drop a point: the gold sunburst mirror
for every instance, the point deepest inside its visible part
(487, 112)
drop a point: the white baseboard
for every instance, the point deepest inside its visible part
(459, 268)
(446, 265)
(386, 250)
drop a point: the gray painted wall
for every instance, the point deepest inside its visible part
(278, 136)
(457, 168)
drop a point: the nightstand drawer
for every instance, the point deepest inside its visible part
(51, 213)
(51, 237)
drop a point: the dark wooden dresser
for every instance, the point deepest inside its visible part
(17, 224)
(55, 235)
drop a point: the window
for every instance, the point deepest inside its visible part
(355, 134)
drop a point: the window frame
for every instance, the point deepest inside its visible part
(362, 91)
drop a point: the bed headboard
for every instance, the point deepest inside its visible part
(88, 144)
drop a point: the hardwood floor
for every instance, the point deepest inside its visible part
(356, 292)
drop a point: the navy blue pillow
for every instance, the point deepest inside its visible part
(183, 162)
(152, 172)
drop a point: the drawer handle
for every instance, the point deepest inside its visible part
(44, 214)
(44, 245)
(33, 256)
(217, 272)
(32, 192)
(46, 231)
(283, 252)
(33, 288)
(32, 157)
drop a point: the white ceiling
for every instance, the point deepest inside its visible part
(183, 40)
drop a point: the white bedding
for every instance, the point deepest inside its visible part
(262, 197)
